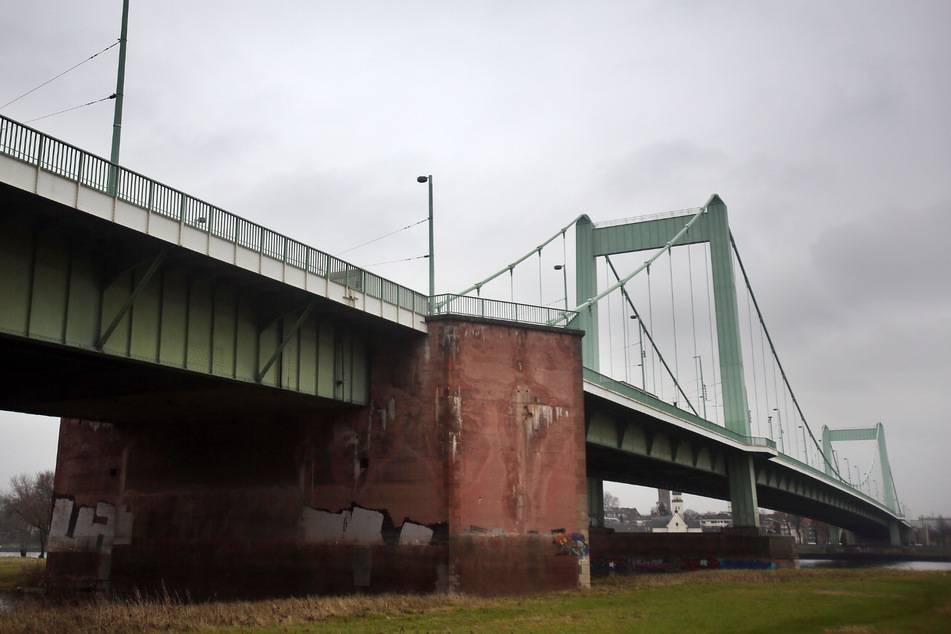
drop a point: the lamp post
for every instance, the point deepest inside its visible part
(564, 274)
(782, 445)
(640, 345)
(120, 90)
(805, 446)
(432, 267)
(848, 470)
(703, 388)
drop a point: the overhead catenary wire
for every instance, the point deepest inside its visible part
(53, 114)
(383, 236)
(116, 43)
(418, 257)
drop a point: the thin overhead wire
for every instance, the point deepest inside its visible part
(381, 237)
(673, 311)
(650, 339)
(418, 257)
(749, 316)
(711, 320)
(779, 364)
(650, 325)
(116, 43)
(53, 114)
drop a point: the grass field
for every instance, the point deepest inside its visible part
(854, 601)
(19, 571)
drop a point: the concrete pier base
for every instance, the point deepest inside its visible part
(650, 552)
(465, 472)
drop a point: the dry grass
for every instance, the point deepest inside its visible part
(632, 603)
(149, 614)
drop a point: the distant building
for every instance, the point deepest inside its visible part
(675, 522)
(714, 523)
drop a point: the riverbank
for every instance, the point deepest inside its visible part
(797, 600)
(17, 572)
(863, 554)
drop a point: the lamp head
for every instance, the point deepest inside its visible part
(422, 179)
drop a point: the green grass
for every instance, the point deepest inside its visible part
(719, 602)
(19, 571)
(851, 601)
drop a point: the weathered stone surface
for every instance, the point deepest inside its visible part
(454, 477)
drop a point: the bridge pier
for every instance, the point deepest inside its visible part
(743, 500)
(466, 472)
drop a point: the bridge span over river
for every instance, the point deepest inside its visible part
(240, 409)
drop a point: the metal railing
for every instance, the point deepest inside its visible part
(52, 155)
(650, 400)
(639, 395)
(469, 306)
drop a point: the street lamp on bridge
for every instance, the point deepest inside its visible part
(564, 274)
(432, 267)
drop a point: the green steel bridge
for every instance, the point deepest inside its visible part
(125, 299)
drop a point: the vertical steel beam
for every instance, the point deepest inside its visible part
(743, 500)
(596, 501)
(891, 497)
(733, 384)
(586, 287)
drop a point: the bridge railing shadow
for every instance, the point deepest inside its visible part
(67, 161)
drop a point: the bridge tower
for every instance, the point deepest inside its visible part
(712, 227)
(876, 433)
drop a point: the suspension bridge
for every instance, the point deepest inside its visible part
(651, 360)
(229, 394)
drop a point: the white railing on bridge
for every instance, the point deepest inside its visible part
(52, 155)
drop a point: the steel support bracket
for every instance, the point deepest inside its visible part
(287, 338)
(127, 306)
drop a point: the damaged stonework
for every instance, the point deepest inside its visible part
(358, 526)
(81, 527)
(479, 424)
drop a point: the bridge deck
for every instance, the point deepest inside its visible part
(59, 172)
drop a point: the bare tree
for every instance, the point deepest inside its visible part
(610, 501)
(30, 500)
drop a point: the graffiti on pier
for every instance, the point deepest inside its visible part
(76, 527)
(623, 565)
(720, 563)
(358, 525)
(628, 565)
(575, 544)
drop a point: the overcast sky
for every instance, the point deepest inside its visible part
(825, 127)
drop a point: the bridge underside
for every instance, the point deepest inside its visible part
(98, 320)
(48, 380)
